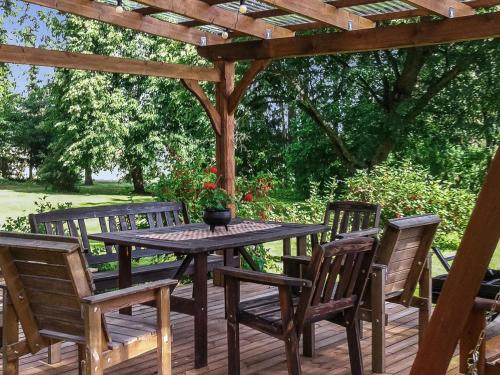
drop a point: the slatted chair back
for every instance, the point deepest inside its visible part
(338, 272)
(46, 276)
(404, 249)
(74, 221)
(349, 216)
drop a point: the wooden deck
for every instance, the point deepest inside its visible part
(261, 354)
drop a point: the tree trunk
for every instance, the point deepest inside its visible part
(88, 177)
(4, 168)
(137, 179)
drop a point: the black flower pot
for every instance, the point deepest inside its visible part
(215, 218)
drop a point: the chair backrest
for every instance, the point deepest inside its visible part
(46, 277)
(348, 216)
(74, 221)
(404, 249)
(338, 272)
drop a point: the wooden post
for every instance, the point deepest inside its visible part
(457, 297)
(225, 141)
(224, 149)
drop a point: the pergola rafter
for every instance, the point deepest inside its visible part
(446, 8)
(202, 11)
(131, 20)
(350, 28)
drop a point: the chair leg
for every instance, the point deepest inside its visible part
(81, 359)
(54, 353)
(353, 342)
(292, 354)
(233, 328)
(425, 291)
(10, 335)
(309, 344)
(164, 334)
(378, 320)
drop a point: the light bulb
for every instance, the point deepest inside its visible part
(225, 35)
(243, 8)
(119, 9)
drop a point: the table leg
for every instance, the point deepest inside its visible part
(302, 245)
(309, 331)
(125, 271)
(287, 247)
(200, 311)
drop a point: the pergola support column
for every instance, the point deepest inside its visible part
(225, 141)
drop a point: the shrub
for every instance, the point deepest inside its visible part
(404, 190)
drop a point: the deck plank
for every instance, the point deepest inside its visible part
(260, 354)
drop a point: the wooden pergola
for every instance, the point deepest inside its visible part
(225, 34)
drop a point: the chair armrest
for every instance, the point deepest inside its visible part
(378, 267)
(128, 297)
(359, 233)
(262, 278)
(302, 259)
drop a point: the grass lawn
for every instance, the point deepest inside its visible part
(18, 199)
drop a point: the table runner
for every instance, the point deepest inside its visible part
(195, 234)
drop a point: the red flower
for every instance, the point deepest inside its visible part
(213, 170)
(210, 185)
(248, 197)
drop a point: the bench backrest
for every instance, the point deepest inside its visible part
(404, 249)
(349, 216)
(339, 272)
(46, 277)
(74, 221)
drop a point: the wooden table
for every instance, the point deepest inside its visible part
(198, 250)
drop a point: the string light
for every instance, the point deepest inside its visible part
(243, 7)
(119, 6)
(224, 35)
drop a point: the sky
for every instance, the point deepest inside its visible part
(13, 24)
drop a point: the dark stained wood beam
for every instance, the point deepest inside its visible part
(402, 36)
(99, 63)
(256, 67)
(230, 20)
(445, 8)
(214, 116)
(319, 11)
(462, 285)
(129, 19)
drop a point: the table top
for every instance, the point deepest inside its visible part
(276, 231)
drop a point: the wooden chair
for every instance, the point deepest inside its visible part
(348, 216)
(402, 263)
(75, 221)
(322, 297)
(50, 292)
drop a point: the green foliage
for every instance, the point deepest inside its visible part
(403, 189)
(21, 223)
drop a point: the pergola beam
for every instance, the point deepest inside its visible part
(201, 11)
(402, 36)
(73, 60)
(445, 8)
(131, 20)
(319, 11)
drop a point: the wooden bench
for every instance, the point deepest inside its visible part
(50, 292)
(75, 222)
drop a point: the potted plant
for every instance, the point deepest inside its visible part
(215, 202)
